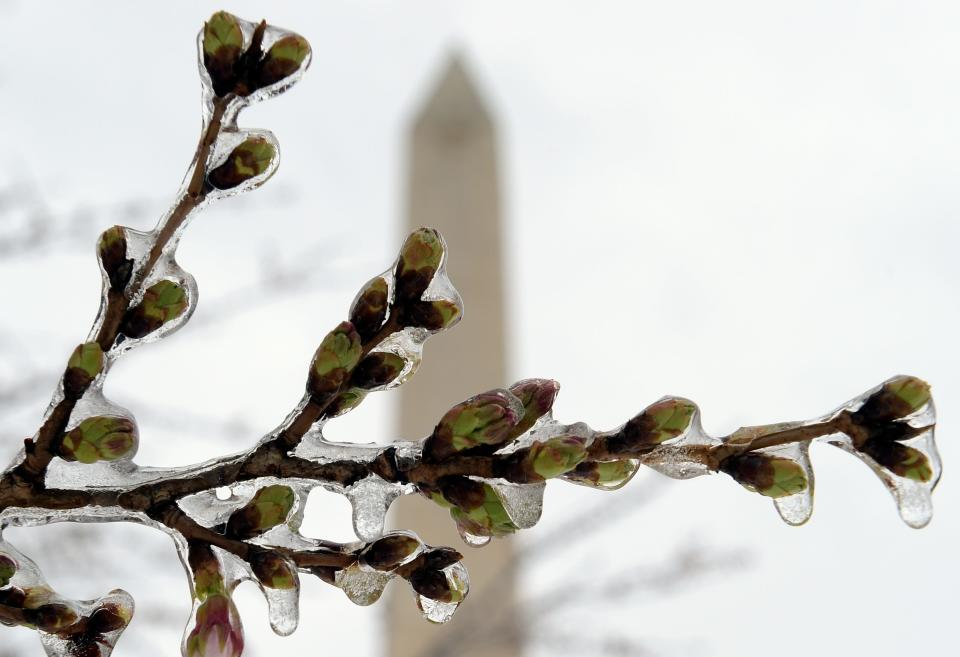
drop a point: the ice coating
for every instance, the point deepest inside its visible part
(522, 502)
(674, 461)
(370, 499)
(362, 585)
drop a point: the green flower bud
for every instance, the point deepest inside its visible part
(222, 47)
(431, 315)
(84, 366)
(556, 456)
(603, 474)
(345, 401)
(658, 422)
(99, 438)
(377, 370)
(112, 250)
(273, 571)
(207, 578)
(248, 160)
(899, 459)
(8, 568)
(490, 518)
(268, 508)
(335, 358)
(486, 419)
(390, 551)
(282, 60)
(896, 399)
(537, 397)
(419, 260)
(369, 310)
(163, 302)
(771, 476)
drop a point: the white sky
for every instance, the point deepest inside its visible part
(751, 204)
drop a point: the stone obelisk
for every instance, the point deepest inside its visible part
(454, 187)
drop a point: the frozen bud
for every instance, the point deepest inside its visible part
(85, 364)
(162, 302)
(390, 551)
(419, 260)
(603, 474)
(490, 518)
(537, 397)
(8, 568)
(336, 357)
(460, 491)
(431, 315)
(273, 571)
(345, 401)
(207, 578)
(370, 308)
(431, 584)
(441, 557)
(657, 423)
(282, 60)
(899, 459)
(99, 438)
(486, 419)
(897, 398)
(268, 508)
(218, 631)
(248, 160)
(556, 456)
(109, 618)
(112, 250)
(772, 476)
(222, 47)
(376, 370)
(51, 617)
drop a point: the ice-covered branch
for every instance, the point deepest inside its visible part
(238, 517)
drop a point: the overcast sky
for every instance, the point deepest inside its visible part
(751, 204)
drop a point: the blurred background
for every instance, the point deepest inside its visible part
(750, 204)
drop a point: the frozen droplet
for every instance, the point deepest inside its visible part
(283, 609)
(472, 539)
(522, 502)
(371, 498)
(224, 493)
(363, 586)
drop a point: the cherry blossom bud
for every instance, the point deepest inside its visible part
(899, 459)
(666, 419)
(896, 399)
(282, 60)
(269, 507)
(771, 476)
(556, 456)
(537, 397)
(222, 47)
(162, 302)
(335, 358)
(99, 438)
(84, 366)
(112, 250)
(377, 370)
(218, 631)
(8, 568)
(419, 260)
(248, 160)
(486, 419)
(370, 308)
(273, 571)
(390, 551)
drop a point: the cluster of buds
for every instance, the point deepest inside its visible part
(346, 365)
(881, 425)
(239, 66)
